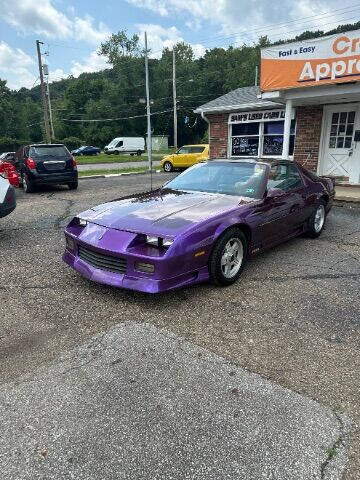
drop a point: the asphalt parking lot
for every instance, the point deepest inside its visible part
(293, 318)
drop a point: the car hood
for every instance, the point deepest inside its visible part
(162, 212)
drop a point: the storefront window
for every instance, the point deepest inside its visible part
(256, 139)
(342, 129)
(274, 138)
(245, 139)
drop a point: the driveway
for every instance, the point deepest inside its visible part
(257, 379)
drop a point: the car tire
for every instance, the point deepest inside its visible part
(138, 153)
(73, 185)
(228, 258)
(116, 152)
(168, 167)
(27, 184)
(316, 222)
(132, 154)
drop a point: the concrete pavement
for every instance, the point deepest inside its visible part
(139, 403)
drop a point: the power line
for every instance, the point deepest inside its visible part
(115, 119)
(283, 24)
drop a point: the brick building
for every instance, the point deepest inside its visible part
(316, 125)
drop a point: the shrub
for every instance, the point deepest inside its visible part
(72, 142)
(8, 144)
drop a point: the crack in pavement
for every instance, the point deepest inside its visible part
(334, 450)
(66, 213)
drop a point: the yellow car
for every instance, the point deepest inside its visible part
(185, 157)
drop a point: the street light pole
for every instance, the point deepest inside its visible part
(175, 101)
(148, 113)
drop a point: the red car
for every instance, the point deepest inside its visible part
(9, 171)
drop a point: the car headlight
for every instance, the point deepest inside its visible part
(159, 241)
(81, 222)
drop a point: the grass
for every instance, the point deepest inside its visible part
(112, 171)
(103, 158)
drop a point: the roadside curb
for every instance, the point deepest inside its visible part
(349, 202)
(89, 177)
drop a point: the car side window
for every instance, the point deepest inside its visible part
(26, 152)
(183, 150)
(284, 177)
(196, 149)
(120, 144)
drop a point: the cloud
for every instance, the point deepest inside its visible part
(14, 64)
(256, 16)
(160, 37)
(84, 30)
(157, 6)
(57, 74)
(93, 63)
(39, 17)
(42, 18)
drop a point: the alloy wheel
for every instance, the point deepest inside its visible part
(319, 218)
(232, 258)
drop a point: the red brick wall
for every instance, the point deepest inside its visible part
(218, 135)
(308, 132)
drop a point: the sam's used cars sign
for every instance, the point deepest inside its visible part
(332, 59)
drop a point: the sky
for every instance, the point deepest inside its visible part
(72, 30)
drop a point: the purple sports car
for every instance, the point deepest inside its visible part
(200, 226)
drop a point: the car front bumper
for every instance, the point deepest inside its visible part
(169, 271)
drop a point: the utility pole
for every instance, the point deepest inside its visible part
(175, 101)
(43, 93)
(256, 75)
(50, 110)
(148, 113)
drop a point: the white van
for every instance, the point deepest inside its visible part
(132, 145)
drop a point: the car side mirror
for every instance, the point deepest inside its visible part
(274, 193)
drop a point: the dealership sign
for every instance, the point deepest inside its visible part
(332, 59)
(258, 116)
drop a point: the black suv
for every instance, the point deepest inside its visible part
(45, 164)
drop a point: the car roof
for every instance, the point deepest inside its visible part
(196, 145)
(46, 145)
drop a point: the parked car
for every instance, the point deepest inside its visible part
(132, 145)
(186, 156)
(8, 170)
(45, 164)
(86, 151)
(7, 156)
(200, 226)
(7, 196)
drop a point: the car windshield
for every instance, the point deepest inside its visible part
(48, 151)
(229, 178)
(113, 142)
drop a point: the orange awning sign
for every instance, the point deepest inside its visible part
(332, 59)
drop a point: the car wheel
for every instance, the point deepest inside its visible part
(116, 152)
(73, 185)
(131, 154)
(228, 257)
(27, 184)
(168, 167)
(317, 220)
(138, 153)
